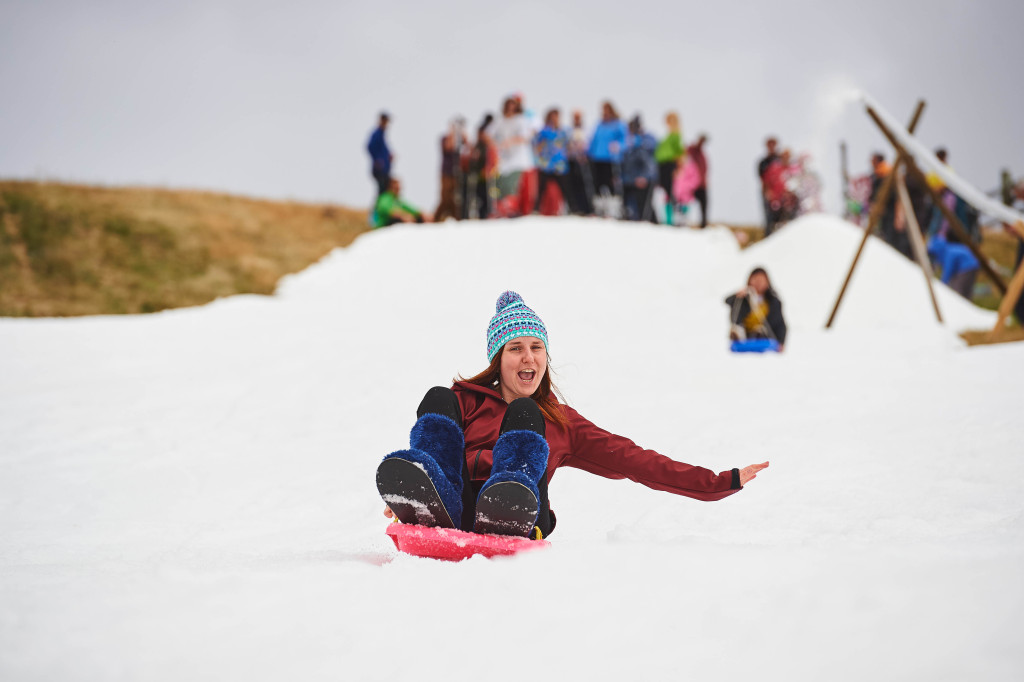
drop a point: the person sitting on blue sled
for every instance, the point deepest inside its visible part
(756, 316)
(483, 451)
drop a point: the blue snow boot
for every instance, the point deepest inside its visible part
(423, 485)
(510, 500)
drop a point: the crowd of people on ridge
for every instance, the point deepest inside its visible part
(518, 164)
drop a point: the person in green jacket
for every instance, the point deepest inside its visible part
(391, 209)
(669, 154)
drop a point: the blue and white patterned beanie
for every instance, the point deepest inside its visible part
(511, 320)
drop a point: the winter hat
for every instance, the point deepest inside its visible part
(511, 320)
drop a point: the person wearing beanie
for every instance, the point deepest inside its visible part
(500, 435)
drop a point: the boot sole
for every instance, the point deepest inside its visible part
(410, 494)
(506, 508)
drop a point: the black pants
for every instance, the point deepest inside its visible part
(580, 188)
(637, 201)
(604, 176)
(383, 179)
(666, 174)
(443, 401)
(701, 195)
(542, 183)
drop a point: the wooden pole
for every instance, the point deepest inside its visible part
(1013, 292)
(954, 222)
(917, 242)
(877, 208)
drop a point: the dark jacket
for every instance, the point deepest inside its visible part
(585, 446)
(776, 323)
(638, 159)
(380, 155)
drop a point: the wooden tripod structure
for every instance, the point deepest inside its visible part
(1010, 293)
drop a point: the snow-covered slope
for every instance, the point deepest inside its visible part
(189, 495)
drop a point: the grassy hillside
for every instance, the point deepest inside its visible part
(74, 250)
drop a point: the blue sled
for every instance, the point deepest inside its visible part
(755, 346)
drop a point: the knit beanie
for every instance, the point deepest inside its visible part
(511, 320)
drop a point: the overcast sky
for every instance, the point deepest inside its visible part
(277, 99)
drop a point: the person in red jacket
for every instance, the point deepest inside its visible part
(507, 424)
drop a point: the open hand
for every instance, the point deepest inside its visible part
(750, 473)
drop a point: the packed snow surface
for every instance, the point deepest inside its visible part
(190, 495)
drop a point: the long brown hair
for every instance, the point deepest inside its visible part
(546, 396)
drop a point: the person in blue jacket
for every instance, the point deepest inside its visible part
(639, 172)
(380, 155)
(959, 266)
(551, 149)
(605, 151)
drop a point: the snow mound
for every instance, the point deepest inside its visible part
(809, 258)
(189, 495)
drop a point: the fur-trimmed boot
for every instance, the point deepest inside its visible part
(423, 485)
(510, 499)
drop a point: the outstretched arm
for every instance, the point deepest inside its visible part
(749, 473)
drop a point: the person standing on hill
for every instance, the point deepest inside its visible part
(893, 234)
(380, 155)
(669, 154)
(605, 154)
(516, 181)
(452, 144)
(770, 215)
(483, 160)
(782, 202)
(581, 185)
(639, 173)
(696, 153)
(551, 149)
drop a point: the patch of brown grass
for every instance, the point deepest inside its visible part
(80, 250)
(1000, 248)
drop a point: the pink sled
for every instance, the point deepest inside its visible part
(449, 544)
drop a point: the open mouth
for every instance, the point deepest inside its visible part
(527, 375)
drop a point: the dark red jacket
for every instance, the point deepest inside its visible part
(585, 446)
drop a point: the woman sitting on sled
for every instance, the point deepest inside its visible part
(483, 451)
(755, 316)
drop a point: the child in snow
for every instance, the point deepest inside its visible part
(391, 209)
(695, 152)
(756, 311)
(958, 264)
(506, 426)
